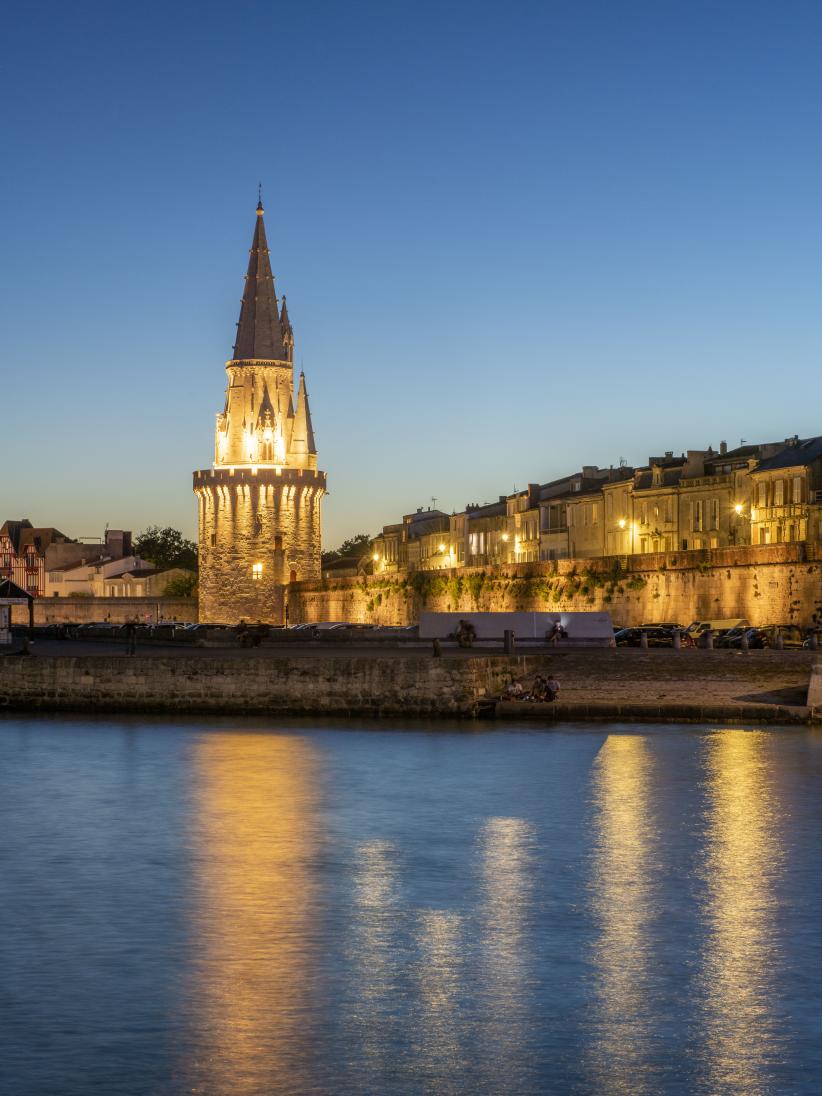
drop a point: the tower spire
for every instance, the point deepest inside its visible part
(302, 434)
(259, 332)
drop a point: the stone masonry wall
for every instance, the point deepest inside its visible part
(243, 523)
(118, 610)
(412, 684)
(772, 584)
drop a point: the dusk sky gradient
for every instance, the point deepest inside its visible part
(514, 239)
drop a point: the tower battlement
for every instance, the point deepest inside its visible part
(259, 522)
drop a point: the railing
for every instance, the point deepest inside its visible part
(788, 510)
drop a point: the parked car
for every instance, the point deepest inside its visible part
(97, 630)
(698, 628)
(143, 631)
(632, 637)
(811, 636)
(168, 629)
(757, 639)
(790, 634)
(669, 625)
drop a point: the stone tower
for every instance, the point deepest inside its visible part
(259, 504)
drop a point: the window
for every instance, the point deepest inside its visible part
(762, 496)
(278, 543)
(256, 571)
(213, 540)
(797, 488)
(779, 494)
(699, 514)
(714, 516)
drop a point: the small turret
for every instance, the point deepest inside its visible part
(302, 434)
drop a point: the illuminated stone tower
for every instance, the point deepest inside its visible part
(259, 504)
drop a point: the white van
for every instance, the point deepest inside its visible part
(700, 627)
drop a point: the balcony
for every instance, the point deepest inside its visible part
(778, 513)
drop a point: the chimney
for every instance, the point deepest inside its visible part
(723, 448)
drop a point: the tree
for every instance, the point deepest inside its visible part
(166, 548)
(181, 586)
(352, 548)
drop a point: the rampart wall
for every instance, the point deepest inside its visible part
(772, 584)
(118, 610)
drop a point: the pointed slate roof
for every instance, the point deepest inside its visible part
(259, 333)
(285, 323)
(302, 436)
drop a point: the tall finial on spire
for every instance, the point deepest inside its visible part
(259, 197)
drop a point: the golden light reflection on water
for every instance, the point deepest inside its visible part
(438, 1053)
(253, 834)
(623, 901)
(373, 952)
(507, 879)
(743, 859)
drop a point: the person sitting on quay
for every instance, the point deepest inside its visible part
(551, 689)
(465, 633)
(538, 688)
(514, 690)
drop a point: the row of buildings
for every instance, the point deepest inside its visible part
(46, 563)
(755, 494)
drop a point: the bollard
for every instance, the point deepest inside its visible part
(814, 643)
(508, 641)
(779, 642)
(709, 639)
(743, 643)
(677, 639)
(643, 640)
(437, 649)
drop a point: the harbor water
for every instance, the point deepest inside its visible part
(221, 906)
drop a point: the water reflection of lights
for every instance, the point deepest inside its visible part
(373, 952)
(623, 901)
(743, 860)
(253, 833)
(439, 1059)
(507, 877)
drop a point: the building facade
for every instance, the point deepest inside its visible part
(259, 524)
(768, 493)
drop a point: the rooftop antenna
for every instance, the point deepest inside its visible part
(743, 441)
(434, 501)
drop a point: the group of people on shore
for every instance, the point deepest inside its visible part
(542, 689)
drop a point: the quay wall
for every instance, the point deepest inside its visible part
(772, 584)
(411, 684)
(761, 686)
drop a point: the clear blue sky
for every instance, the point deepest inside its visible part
(514, 239)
